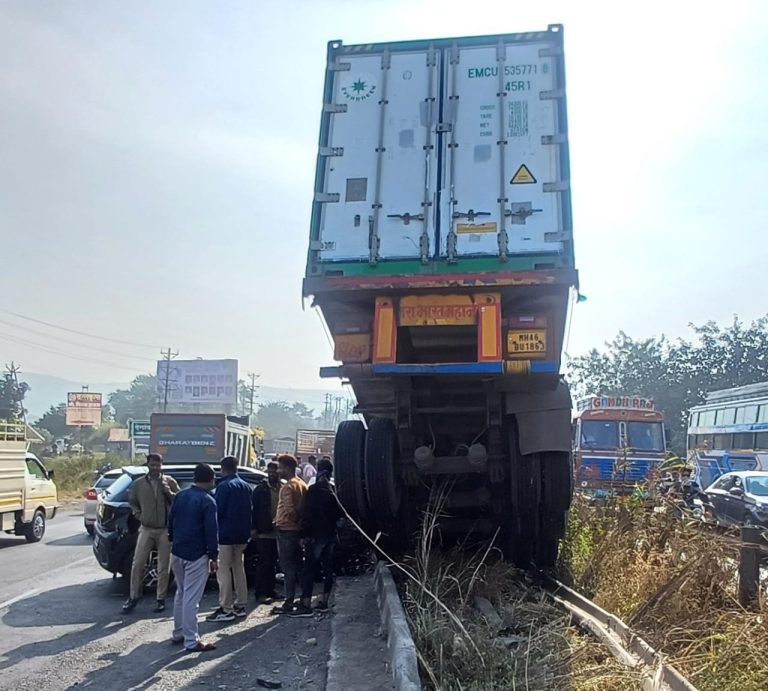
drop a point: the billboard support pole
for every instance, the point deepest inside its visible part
(167, 357)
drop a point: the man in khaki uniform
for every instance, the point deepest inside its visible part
(150, 498)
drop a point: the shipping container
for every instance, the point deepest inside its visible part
(443, 152)
(441, 258)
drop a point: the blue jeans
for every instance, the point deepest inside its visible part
(319, 555)
(289, 552)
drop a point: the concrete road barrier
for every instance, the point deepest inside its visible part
(402, 650)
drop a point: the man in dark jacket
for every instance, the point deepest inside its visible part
(265, 498)
(192, 530)
(233, 508)
(321, 513)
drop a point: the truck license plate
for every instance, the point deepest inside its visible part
(533, 342)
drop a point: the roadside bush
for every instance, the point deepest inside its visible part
(74, 474)
(674, 581)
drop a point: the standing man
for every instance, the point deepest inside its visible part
(193, 529)
(233, 509)
(265, 499)
(321, 512)
(290, 506)
(150, 498)
(308, 470)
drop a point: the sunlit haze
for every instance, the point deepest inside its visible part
(157, 166)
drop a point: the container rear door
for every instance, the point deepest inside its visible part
(379, 182)
(501, 180)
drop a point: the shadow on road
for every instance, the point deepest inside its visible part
(71, 541)
(12, 541)
(73, 605)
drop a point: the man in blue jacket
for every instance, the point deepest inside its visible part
(192, 531)
(233, 507)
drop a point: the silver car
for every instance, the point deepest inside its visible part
(91, 496)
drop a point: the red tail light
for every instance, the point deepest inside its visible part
(91, 494)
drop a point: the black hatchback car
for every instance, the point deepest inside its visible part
(740, 498)
(116, 528)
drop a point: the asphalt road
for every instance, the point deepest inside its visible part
(61, 628)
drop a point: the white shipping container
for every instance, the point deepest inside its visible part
(443, 149)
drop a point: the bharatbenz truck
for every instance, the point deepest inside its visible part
(28, 495)
(200, 438)
(441, 259)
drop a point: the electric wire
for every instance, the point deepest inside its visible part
(79, 333)
(20, 341)
(74, 343)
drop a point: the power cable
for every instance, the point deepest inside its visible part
(79, 333)
(74, 343)
(54, 351)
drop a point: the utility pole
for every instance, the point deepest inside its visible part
(327, 422)
(12, 374)
(252, 391)
(167, 357)
(84, 389)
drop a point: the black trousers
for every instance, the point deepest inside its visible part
(319, 554)
(266, 549)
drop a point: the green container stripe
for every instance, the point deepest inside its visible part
(407, 267)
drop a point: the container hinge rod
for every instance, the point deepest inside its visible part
(334, 107)
(503, 240)
(424, 246)
(327, 197)
(470, 215)
(331, 150)
(406, 218)
(559, 186)
(520, 211)
(450, 247)
(373, 242)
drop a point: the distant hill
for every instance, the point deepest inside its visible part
(47, 390)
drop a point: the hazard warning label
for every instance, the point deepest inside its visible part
(523, 176)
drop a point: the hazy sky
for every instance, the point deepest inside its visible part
(157, 164)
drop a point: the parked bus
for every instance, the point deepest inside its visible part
(618, 441)
(729, 432)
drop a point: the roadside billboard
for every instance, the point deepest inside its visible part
(315, 442)
(83, 409)
(197, 381)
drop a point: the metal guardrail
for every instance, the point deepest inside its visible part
(625, 645)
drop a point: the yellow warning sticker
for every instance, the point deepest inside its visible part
(472, 228)
(523, 176)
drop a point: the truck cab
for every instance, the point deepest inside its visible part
(28, 494)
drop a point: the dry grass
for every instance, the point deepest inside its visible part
(676, 584)
(529, 645)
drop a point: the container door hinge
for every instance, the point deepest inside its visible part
(331, 150)
(339, 66)
(520, 211)
(327, 197)
(561, 138)
(334, 107)
(550, 95)
(559, 186)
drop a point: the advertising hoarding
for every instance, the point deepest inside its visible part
(197, 381)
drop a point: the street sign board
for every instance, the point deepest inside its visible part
(83, 409)
(138, 428)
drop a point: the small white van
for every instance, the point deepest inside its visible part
(28, 495)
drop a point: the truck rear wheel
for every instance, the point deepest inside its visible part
(349, 452)
(36, 529)
(381, 485)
